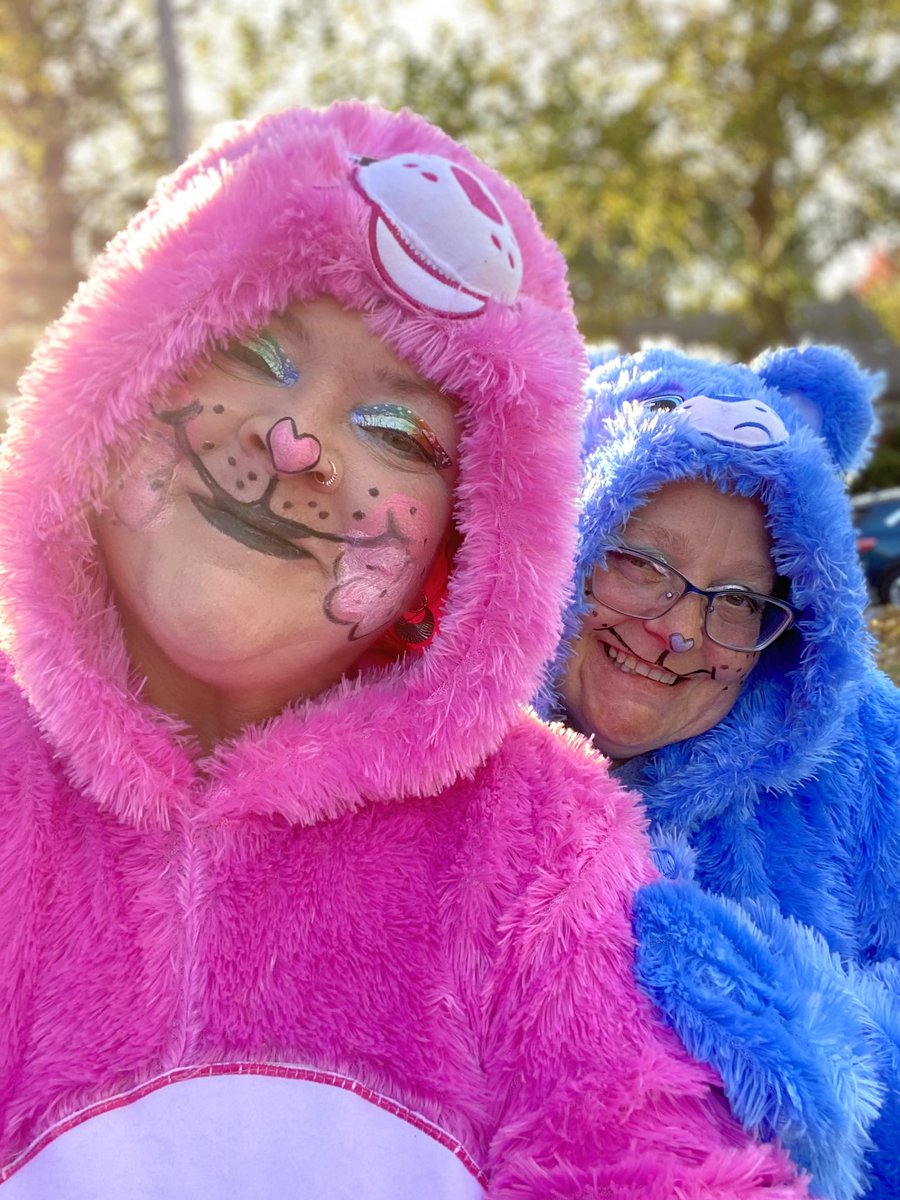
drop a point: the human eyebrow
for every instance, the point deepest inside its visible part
(408, 386)
(655, 539)
(293, 325)
(667, 544)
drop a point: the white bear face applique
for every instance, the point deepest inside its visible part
(437, 235)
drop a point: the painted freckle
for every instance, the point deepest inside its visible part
(207, 446)
(239, 484)
(232, 462)
(373, 491)
(413, 511)
(251, 475)
(218, 408)
(358, 515)
(156, 485)
(322, 516)
(312, 504)
(287, 504)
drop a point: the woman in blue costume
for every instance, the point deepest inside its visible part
(717, 652)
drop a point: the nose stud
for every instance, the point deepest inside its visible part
(294, 453)
(679, 644)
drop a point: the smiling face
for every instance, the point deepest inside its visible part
(282, 512)
(624, 683)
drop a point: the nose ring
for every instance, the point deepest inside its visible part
(326, 481)
(680, 644)
(291, 452)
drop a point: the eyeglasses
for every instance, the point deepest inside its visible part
(638, 585)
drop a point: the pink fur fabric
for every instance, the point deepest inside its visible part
(409, 889)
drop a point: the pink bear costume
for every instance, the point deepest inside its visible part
(379, 946)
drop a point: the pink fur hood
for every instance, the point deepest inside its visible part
(263, 215)
(381, 946)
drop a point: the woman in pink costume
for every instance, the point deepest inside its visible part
(296, 899)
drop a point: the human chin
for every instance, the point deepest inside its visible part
(623, 702)
(630, 713)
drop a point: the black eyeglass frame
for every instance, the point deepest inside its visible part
(710, 595)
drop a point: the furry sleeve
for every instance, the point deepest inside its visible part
(807, 1048)
(593, 1096)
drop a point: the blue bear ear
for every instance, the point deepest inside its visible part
(831, 392)
(600, 355)
(607, 368)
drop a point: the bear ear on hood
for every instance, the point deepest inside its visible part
(831, 392)
(604, 369)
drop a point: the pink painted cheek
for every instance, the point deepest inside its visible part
(372, 587)
(374, 582)
(141, 494)
(411, 519)
(212, 438)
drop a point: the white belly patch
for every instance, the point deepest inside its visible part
(244, 1132)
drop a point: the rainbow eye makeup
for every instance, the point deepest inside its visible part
(413, 437)
(271, 353)
(264, 357)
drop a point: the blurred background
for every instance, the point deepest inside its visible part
(721, 174)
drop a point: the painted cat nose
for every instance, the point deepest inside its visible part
(293, 452)
(296, 453)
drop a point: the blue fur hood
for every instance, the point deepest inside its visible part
(786, 814)
(786, 430)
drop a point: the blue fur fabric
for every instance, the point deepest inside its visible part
(777, 963)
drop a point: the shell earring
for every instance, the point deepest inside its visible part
(417, 625)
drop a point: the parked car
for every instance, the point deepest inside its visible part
(877, 520)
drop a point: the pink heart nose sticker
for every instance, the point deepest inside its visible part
(292, 452)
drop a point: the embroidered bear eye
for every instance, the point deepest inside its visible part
(662, 403)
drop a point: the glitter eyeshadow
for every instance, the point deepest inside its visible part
(403, 419)
(275, 359)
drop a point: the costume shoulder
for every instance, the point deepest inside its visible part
(871, 754)
(790, 1029)
(582, 1059)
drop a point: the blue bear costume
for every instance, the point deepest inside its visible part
(775, 951)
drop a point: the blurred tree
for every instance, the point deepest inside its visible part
(880, 289)
(687, 154)
(82, 136)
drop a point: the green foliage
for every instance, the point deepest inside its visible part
(688, 155)
(81, 135)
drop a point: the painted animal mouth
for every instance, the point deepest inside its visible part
(253, 523)
(248, 532)
(635, 666)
